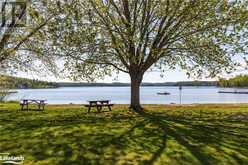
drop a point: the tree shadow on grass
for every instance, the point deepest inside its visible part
(74, 139)
(121, 138)
(196, 135)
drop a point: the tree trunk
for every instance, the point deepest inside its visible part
(136, 80)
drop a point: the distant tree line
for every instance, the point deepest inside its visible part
(238, 81)
(117, 84)
(197, 83)
(23, 83)
(9, 82)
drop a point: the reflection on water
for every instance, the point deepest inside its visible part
(121, 95)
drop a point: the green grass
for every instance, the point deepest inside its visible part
(198, 134)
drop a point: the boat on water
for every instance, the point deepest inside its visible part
(8, 92)
(163, 93)
(234, 92)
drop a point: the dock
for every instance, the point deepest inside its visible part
(234, 92)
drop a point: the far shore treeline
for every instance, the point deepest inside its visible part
(185, 83)
(24, 83)
(238, 81)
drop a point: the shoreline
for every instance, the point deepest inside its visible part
(99, 86)
(176, 105)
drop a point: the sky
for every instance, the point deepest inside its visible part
(169, 76)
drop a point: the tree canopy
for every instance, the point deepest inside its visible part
(21, 20)
(96, 37)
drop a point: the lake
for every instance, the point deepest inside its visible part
(121, 95)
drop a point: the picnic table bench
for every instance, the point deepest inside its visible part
(26, 102)
(99, 104)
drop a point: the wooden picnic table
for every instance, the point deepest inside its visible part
(26, 102)
(99, 104)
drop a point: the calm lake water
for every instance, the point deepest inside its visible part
(121, 95)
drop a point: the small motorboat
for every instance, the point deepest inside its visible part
(163, 93)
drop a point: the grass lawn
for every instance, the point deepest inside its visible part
(67, 135)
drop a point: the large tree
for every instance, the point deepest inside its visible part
(96, 37)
